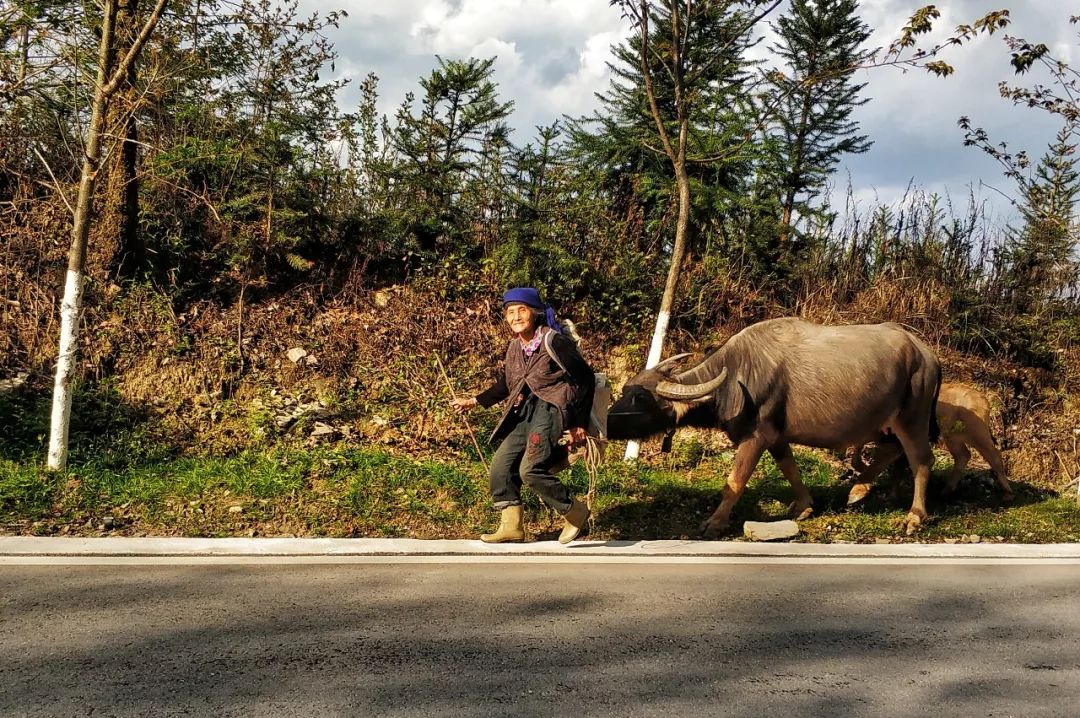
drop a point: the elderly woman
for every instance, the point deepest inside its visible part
(549, 390)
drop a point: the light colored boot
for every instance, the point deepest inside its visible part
(511, 526)
(574, 521)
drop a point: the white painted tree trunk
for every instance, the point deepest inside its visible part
(667, 302)
(70, 307)
(633, 448)
(71, 304)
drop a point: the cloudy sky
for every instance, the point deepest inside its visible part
(552, 54)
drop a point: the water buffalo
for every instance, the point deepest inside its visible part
(788, 381)
(963, 414)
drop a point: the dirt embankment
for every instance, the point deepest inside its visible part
(366, 369)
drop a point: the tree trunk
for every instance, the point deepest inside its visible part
(124, 252)
(24, 53)
(785, 222)
(667, 303)
(132, 248)
(71, 304)
(795, 171)
(677, 154)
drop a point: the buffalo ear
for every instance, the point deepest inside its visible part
(731, 400)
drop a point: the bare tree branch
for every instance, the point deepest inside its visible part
(56, 182)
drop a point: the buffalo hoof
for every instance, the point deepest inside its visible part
(800, 510)
(711, 528)
(913, 522)
(858, 494)
(1008, 497)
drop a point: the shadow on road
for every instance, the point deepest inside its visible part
(536, 640)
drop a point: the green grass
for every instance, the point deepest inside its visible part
(23, 491)
(359, 491)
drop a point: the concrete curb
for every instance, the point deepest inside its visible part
(33, 546)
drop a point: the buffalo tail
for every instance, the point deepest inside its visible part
(935, 428)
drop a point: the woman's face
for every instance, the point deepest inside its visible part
(520, 318)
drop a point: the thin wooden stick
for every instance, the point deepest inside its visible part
(453, 395)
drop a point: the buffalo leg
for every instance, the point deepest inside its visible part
(920, 456)
(746, 458)
(803, 505)
(885, 453)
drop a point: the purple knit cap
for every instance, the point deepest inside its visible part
(531, 298)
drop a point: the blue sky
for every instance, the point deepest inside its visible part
(552, 54)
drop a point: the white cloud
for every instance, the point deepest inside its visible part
(445, 29)
(597, 53)
(574, 95)
(508, 59)
(399, 11)
(1064, 51)
(551, 54)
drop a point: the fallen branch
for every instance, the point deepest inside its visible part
(453, 395)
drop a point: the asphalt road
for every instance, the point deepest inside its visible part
(540, 639)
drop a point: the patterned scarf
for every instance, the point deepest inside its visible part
(530, 347)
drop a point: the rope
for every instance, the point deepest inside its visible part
(592, 455)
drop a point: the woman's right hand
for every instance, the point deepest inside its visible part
(463, 404)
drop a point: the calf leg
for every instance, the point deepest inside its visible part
(921, 458)
(885, 453)
(803, 505)
(961, 456)
(984, 444)
(746, 458)
(857, 463)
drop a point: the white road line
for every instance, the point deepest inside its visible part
(356, 550)
(250, 560)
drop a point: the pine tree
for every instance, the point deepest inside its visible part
(1042, 254)
(460, 115)
(621, 139)
(1041, 257)
(820, 42)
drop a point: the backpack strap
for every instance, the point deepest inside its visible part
(551, 352)
(595, 427)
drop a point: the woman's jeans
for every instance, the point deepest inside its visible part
(528, 454)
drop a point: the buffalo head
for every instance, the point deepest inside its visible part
(653, 401)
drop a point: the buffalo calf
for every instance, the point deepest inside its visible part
(964, 417)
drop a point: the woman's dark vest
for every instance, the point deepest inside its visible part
(544, 377)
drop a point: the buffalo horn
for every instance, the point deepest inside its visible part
(670, 360)
(684, 392)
